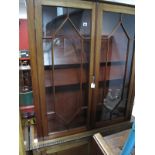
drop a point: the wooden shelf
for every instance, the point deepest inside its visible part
(112, 72)
(116, 82)
(85, 65)
(71, 76)
(66, 66)
(67, 87)
(85, 37)
(112, 63)
(65, 76)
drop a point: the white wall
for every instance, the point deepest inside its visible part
(22, 9)
(130, 2)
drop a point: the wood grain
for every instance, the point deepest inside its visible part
(33, 57)
(40, 67)
(118, 8)
(64, 101)
(102, 145)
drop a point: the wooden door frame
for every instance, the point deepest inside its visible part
(35, 11)
(117, 8)
(33, 58)
(35, 42)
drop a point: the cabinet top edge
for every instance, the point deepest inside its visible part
(120, 2)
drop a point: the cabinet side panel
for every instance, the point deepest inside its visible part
(33, 55)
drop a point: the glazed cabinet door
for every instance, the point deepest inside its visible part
(114, 60)
(64, 33)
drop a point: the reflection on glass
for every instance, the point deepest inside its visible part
(67, 45)
(47, 46)
(60, 11)
(112, 98)
(66, 48)
(115, 64)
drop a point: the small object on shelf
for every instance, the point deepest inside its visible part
(112, 99)
(26, 98)
(24, 54)
(28, 115)
(25, 75)
(24, 65)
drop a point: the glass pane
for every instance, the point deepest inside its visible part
(115, 65)
(66, 48)
(52, 17)
(67, 45)
(83, 22)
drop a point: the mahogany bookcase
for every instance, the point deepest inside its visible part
(82, 60)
